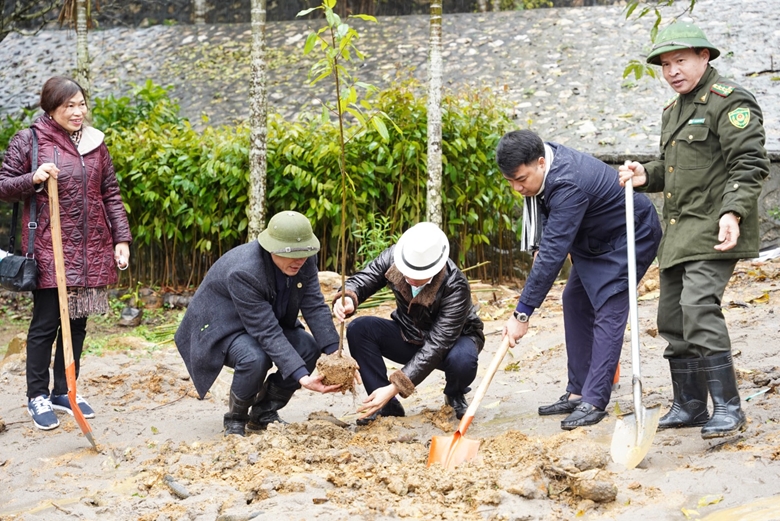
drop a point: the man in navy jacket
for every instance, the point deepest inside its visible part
(582, 213)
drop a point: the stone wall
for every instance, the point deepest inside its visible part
(142, 13)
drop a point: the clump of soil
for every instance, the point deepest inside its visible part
(338, 369)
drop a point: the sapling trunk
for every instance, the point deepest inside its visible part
(339, 368)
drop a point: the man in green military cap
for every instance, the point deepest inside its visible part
(245, 316)
(712, 166)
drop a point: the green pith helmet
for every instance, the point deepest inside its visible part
(289, 234)
(680, 35)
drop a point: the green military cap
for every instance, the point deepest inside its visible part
(680, 35)
(289, 234)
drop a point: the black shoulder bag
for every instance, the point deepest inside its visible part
(20, 272)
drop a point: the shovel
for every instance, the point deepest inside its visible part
(634, 432)
(453, 450)
(62, 293)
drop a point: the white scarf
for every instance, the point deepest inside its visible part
(532, 230)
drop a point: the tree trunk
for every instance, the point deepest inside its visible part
(199, 11)
(258, 124)
(433, 204)
(482, 4)
(496, 5)
(82, 48)
(258, 118)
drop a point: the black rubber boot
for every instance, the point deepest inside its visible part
(689, 385)
(266, 409)
(237, 416)
(727, 416)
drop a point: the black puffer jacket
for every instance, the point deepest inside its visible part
(440, 314)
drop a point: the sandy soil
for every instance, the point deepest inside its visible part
(162, 455)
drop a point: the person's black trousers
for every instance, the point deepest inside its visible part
(44, 329)
(371, 338)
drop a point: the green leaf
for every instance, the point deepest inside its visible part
(307, 11)
(332, 18)
(367, 18)
(380, 127)
(311, 40)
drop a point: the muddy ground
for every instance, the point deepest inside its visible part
(162, 455)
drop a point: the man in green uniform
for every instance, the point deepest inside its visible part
(712, 166)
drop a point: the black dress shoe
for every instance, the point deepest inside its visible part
(585, 414)
(391, 408)
(562, 406)
(458, 403)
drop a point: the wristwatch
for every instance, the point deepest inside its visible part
(520, 317)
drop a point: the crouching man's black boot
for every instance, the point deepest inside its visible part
(689, 385)
(266, 409)
(727, 416)
(237, 416)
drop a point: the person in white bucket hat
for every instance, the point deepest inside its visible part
(434, 325)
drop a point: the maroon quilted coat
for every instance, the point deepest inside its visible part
(91, 211)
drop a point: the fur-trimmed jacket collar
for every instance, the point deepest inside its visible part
(426, 297)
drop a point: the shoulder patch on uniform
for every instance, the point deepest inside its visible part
(671, 101)
(722, 90)
(740, 117)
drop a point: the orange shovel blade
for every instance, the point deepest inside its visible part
(70, 376)
(453, 450)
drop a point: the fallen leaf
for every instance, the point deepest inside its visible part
(762, 299)
(492, 405)
(688, 513)
(710, 499)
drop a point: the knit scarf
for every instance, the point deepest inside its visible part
(76, 137)
(532, 229)
(83, 302)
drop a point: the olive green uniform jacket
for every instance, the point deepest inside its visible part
(713, 162)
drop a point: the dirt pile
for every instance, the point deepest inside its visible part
(163, 457)
(380, 469)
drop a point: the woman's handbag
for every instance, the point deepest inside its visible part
(20, 272)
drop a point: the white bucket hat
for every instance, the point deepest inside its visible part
(422, 251)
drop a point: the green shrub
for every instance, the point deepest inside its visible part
(13, 124)
(186, 191)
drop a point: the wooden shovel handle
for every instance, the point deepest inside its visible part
(62, 292)
(59, 268)
(483, 386)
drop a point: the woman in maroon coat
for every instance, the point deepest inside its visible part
(95, 234)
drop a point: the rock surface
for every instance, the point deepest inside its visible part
(561, 68)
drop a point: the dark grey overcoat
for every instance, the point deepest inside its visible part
(237, 296)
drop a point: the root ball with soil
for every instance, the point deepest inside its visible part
(338, 369)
